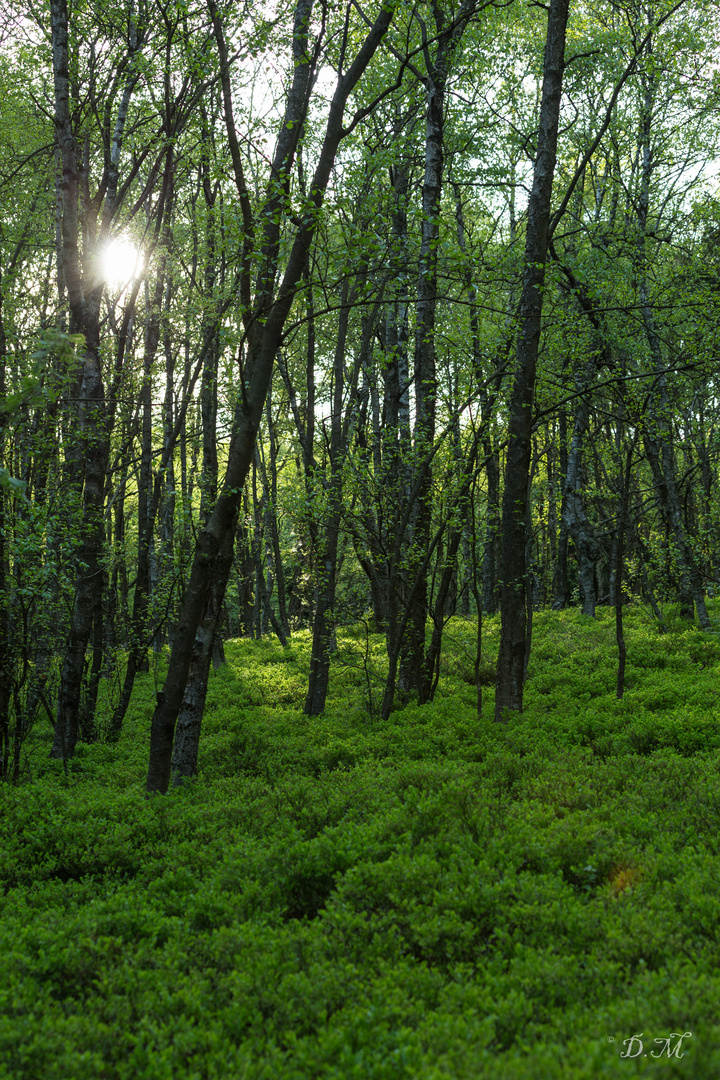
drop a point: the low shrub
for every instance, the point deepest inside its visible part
(436, 897)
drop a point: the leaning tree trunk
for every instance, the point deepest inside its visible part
(511, 657)
(189, 723)
(187, 739)
(273, 309)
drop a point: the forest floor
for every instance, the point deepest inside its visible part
(430, 898)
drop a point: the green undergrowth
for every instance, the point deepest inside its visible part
(429, 898)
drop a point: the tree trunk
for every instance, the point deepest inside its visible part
(576, 522)
(189, 723)
(323, 623)
(562, 583)
(140, 634)
(511, 657)
(273, 308)
(622, 519)
(425, 380)
(491, 547)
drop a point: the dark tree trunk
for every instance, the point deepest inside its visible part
(89, 568)
(622, 519)
(88, 726)
(272, 522)
(84, 319)
(273, 308)
(431, 663)
(491, 547)
(575, 519)
(245, 564)
(5, 644)
(323, 623)
(87, 459)
(425, 381)
(139, 629)
(189, 723)
(562, 583)
(207, 648)
(478, 603)
(511, 657)
(385, 486)
(167, 526)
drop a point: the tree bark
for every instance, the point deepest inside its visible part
(511, 657)
(83, 320)
(83, 288)
(323, 622)
(425, 379)
(189, 723)
(272, 309)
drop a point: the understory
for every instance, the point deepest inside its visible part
(433, 897)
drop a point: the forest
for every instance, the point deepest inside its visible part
(358, 495)
(423, 324)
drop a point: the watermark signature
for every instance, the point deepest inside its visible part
(668, 1046)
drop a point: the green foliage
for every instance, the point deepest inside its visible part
(435, 897)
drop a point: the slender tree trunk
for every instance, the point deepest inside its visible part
(207, 648)
(425, 379)
(487, 403)
(323, 623)
(139, 629)
(477, 593)
(273, 307)
(245, 573)
(88, 726)
(491, 546)
(511, 657)
(385, 486)
(5, 644)
(622, 519)
(431, 662)
(83, 319)
(529, 571)
(562, 583)
(87, 459)
(575, 519)
(272, 521)
(167, 527)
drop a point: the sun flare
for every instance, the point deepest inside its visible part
(121, 262)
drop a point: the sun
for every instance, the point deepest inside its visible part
(121, 262)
